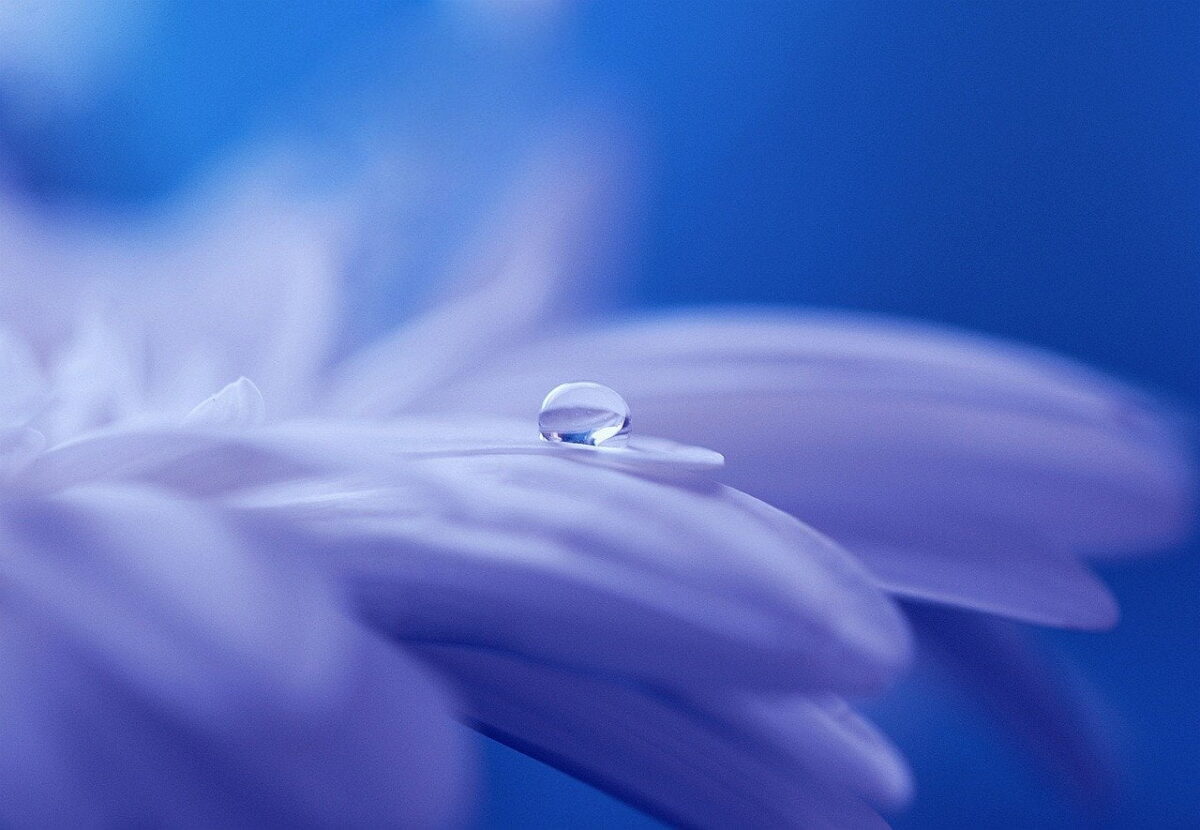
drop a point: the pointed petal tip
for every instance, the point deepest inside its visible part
(1098, 611)
(890, 652)
(240, 404)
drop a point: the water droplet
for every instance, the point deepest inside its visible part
(584, 413)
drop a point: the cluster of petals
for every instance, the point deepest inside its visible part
(256, 570)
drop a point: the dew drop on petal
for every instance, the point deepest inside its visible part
(584, 413)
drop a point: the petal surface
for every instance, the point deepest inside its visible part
(153, 672)
(893, 437)
(784, 763)
(578, 564)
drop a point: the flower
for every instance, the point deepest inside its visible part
(189, 568)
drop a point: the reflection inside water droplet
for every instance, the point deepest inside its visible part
(584, 413)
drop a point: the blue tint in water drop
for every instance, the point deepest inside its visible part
(584, 413)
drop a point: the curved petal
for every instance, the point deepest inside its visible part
(203, 459)
(588, 566)
(890, 437)
(195, 461)
(788, 763)
(1024, 691)
(980, 563)
(153, 673)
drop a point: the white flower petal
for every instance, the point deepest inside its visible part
(689, 766)
(154, 673)
(237, 278)
(201, 459)
(465, 532)
(983, 565)
(96, 380)
(24, 392)
(198, 462)
(584, 565)
(240, 404)
(19, 446)
(892, 437)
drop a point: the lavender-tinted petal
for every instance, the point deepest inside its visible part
(826, 413)
(891, 437)
(978, 563)
(689, 765)
(19, 446)
(239, 277)
(587, 566)
(822, 736)
(24, 384)
(515, 280)
(202, 459)
(1032, 698)
(238, 405)
(152, 672)
(95, 380)
(196, 462)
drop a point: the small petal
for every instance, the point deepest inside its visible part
(240, 404)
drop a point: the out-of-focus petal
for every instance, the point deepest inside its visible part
(239, 278)
(889, 436)
(19, 446)
(197, 462)
(519, 277)
(980, 563)
(243, 284)
(24, 391)
(587, 566)
(153, 673)
(1034, 702)
(778, 765)
(96, 380)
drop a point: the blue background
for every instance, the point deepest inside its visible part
(1028, 169)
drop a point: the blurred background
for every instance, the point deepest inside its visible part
(1027, 169)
